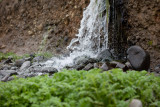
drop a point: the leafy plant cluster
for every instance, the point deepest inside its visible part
(71, 88)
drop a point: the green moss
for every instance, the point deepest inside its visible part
(150, 43)
(114, 88)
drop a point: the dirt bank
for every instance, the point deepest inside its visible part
(28, 26)
(144, 26)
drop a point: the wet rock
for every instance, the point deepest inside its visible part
(1, 76)
(10, 78)
(79, 67)
(5, 79)
(122, 66)
(39, 59)
(139, 59)
(96, 65)
(19, 62)
(128, 65)
(83, 60)
(40, 70)
(9, 60)
(50, 70)
(6, 72)
(113, 64)
(104, 56)
(25, 65)
(136, 103)
(14, 68)
(88, 67)
(5, 67)
(157, 68)
(28, 59)
(104, 67)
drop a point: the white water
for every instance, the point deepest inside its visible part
(92, 37)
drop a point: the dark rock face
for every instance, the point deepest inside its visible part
(139, 59)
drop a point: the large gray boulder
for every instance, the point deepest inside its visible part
(138, 58)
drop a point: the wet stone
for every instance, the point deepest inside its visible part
(88, 67)
(104, 67)
(104, 56)
(19, 62)
(25, 65)
(96, 65)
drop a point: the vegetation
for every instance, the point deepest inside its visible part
(14, 56)
(9, 54)
(114, 88)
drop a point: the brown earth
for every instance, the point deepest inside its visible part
(28, 26)
(144, 26)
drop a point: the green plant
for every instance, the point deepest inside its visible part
(9, 54)
(45, 54)
(113, 88)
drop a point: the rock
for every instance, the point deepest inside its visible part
(40, 70)
(1, 77)
(104, 67)
(5, 79)
(88, 67)
(28, 59)
(104, 56)
(39, 59)
(6, 72)
(30, 32)
(25, 65)
(5, 67)
(96, 65)
(14, 68)
(136, 103)
(50, 70)
(157, 68)
(19, 62)
(9, 60)
(113, 64)
(10, 78)
(139, 59)
(79, 67)
(122, 66)
(83, 60)
(128, 65)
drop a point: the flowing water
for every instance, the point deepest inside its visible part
(92, 37)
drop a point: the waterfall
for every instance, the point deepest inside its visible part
(92, 37)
